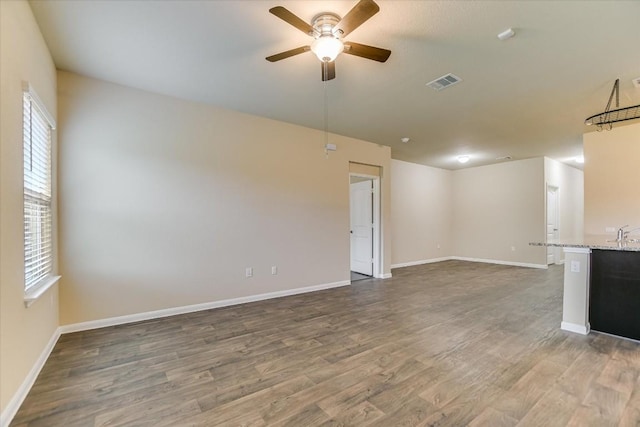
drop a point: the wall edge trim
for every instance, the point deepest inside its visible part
(575, 328)
(495, 261)
(16, 401)
(420, 262)
(173, 311)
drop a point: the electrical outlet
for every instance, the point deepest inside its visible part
(274, 270)
(249, 272)
(513, 248)
(438, 245)
(575, 266)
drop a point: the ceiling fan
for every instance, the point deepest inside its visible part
(328, 30)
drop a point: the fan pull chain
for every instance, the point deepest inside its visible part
(326, 110)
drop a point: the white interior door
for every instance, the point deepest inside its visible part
(552, 222)
(361, 202)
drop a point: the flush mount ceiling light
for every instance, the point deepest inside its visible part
(328, 30)
(463, 159)
(405, 139)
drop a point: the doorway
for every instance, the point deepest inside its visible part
(364, 215)
(553, 223)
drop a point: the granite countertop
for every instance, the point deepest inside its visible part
(594, 242)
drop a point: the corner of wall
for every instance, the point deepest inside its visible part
(28, 334)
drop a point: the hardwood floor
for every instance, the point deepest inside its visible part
(447, 344)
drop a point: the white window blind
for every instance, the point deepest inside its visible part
(38, 239)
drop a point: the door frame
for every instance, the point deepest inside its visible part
(377, 227)
(554, 189)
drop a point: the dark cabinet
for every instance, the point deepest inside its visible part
(614, 295)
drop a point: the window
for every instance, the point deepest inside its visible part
(38, 215)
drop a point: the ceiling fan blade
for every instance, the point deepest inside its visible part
(328, 70)
(292, 19)
(362, 11)
(288, 53)
(365, 51)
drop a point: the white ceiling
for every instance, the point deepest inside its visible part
(524, 97)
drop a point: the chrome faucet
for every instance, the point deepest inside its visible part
(621, 233)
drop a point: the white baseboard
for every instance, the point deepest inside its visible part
(14, 404)
(120, 320)
(420, 262)
(382, 276)
(495, 261)
(574, 327)
(459, 258)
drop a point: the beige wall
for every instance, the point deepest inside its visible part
(421, 212)
(612, 178)
(24, 332)
(500, 207)
(480, 212)
(164, 202)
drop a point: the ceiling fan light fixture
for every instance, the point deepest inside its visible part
(327, 48)
(327, 30)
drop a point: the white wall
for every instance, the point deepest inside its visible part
(421, 213)
(570, 184)
(498, 209)
(164, 202)
(24, 332)
(480, 213)
(612, 178)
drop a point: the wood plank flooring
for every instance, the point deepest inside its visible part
(447, 344)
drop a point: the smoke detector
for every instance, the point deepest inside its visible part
(444, 82)
(506, 34)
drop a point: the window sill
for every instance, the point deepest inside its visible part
(35, 292)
